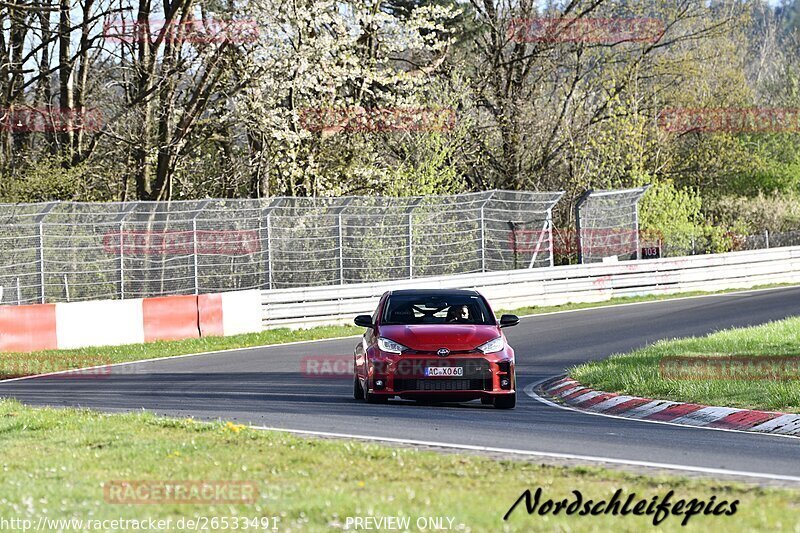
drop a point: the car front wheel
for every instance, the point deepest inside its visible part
(506, 401)
(375, 398)
(358, 392)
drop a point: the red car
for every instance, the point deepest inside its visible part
(441, 345)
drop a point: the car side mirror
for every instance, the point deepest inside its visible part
(507, 321)
(365, 321)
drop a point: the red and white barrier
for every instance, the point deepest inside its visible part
(27, 328)
(98, 323)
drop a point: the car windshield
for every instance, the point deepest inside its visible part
(436, 309)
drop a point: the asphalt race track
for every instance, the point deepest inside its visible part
(264, 386)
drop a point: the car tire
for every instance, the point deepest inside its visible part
(375, 398)
(506, 401)
(487, 400)
(358, 392)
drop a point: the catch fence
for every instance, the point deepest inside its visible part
(67, 251)
(70, 251)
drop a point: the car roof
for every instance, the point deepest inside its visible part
(434, 292)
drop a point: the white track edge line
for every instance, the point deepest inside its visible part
(528, 389)
(555, 455)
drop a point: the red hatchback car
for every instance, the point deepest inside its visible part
(441, 345)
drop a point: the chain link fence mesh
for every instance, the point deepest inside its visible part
(65, 251)
(607, 224)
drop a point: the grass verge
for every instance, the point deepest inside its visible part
(708, 378)
(17, 364)
(56, 463)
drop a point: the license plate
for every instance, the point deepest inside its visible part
(445, 371)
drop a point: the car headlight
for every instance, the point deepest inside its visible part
(494, 345)
(388, 345)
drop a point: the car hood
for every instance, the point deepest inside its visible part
(431, 337)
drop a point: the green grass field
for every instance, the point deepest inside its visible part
(16, 364)
(56, 463)
(641, 373)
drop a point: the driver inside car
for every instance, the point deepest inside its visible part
(458, 314)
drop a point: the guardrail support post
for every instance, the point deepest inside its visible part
(766, 238)
(19, 293)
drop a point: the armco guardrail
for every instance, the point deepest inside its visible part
(546, 286)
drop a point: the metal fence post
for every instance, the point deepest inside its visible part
(269, 252)
(410, 236)
(194, 254)
(410, 245)
(195, 247)
(40, 220)
(41, 261)
(550, 234)
(766, 237)
(341, 249)
(19, 293)
(579, 241)
(121, 261)
(483, 241)
(483, 228)
(276, 202)
(123, 214)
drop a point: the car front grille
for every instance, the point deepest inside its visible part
(415, 368)
(442, 384)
